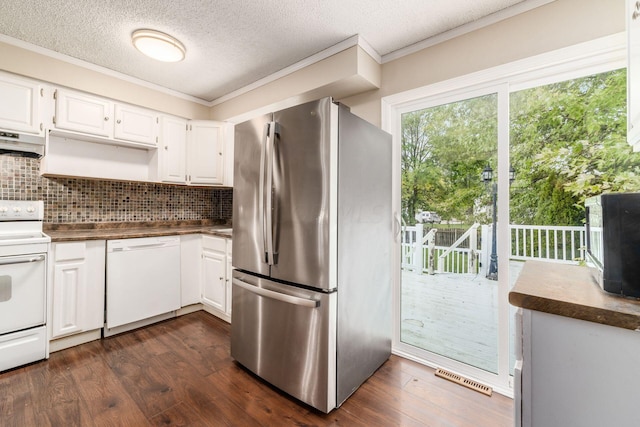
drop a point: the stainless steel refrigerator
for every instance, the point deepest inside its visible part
(312, 237)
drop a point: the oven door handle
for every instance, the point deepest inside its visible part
(21, 260)
(277, 295)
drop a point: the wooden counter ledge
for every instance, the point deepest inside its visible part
(571, 291)
(125, 230)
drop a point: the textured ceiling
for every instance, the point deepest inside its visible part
(230, 43)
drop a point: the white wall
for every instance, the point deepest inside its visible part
(38, 66)
(546, 28)
(552, 26)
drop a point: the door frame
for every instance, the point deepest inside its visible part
(500, 380)
(600, 55)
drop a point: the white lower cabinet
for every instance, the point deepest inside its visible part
(576, 373)
(216, 275)
(190, 269)
(77, 287)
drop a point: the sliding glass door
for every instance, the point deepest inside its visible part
(491, 171)
(449, 307)
(453, 282)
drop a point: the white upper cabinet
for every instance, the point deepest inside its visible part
(104, 121)
(79, 112)
(229, 147)
(633, 74)
(172, 149)
(135, 124)
(192, 151)
(205, 151)
(21, 103)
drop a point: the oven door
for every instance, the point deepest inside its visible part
(22, 292)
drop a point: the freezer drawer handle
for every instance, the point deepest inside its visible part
(21, 260)
(277, 295)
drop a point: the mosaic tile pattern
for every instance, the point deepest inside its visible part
(83, 200)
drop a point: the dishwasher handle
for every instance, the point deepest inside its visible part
(141, 246)
(277, 295)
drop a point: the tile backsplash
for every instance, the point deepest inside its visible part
(85, 200)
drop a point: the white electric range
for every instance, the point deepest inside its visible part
(23, 283)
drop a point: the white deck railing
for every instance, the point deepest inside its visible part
(423, 256)
(563, 244)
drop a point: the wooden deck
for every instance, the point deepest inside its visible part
(454, 315)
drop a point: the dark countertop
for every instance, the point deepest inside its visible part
(571, 291)
(126, 230)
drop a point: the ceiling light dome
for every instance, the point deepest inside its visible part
(158, 45)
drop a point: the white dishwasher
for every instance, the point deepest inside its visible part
(143, 281)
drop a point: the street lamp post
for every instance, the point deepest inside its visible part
(487, 177)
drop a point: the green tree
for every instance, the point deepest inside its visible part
(568, 142)
(444, 150)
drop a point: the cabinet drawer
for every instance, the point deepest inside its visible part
(214, 244)
(69, 251)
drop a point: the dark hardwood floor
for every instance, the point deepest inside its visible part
(179, 372)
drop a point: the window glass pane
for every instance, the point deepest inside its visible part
(568, 143)
(448, 306)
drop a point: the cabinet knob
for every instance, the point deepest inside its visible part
(220, 154)
(106, 119)
(118, 121)
(166, 147)
(222, 278)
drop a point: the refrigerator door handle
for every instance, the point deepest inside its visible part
(261, 192)
(290, 299)
(273, 130)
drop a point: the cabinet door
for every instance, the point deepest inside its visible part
(228, 277)
(20, 106)
(213, 279)
(172, 149)
(69, 283)
(78, 287)
(190, 269)
(135, 124)
(83, 113)
(205, 152)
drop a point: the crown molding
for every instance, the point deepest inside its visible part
(99, 69)
(486, 21)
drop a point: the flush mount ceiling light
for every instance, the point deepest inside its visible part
(158, 45)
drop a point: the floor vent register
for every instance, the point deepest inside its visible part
(466, 382)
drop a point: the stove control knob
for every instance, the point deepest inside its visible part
(31, 209)
(17, 209)
(3, 209)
